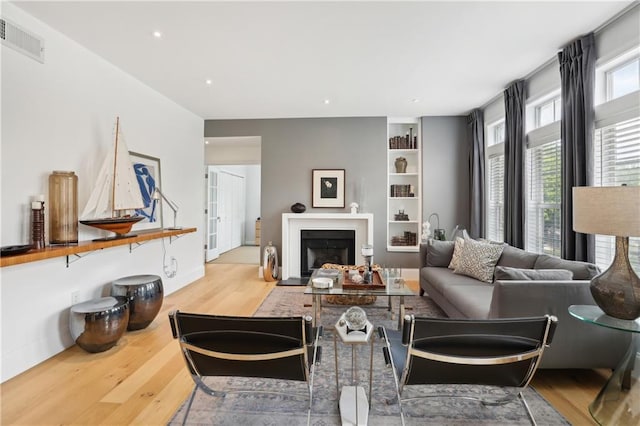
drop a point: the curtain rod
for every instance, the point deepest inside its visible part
(599, 29)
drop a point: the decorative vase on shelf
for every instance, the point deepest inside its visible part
(401, 165)
(298, 208)
(63, 207)
(270, 263)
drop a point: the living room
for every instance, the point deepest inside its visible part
(63, 111)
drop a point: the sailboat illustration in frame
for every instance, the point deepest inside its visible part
(116, 192)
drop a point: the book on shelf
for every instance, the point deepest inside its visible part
(401, 190)
(408, 141)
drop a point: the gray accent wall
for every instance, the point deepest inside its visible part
(445, 171)
(293, 147)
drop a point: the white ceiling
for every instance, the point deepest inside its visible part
(283, 59)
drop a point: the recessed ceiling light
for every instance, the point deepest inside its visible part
(327, 101)
(209, 82)
(157, 34)
(206, 142)
(415, 101)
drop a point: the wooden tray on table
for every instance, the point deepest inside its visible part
(377, 283)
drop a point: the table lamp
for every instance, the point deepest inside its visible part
(612, 211)
(157, 194)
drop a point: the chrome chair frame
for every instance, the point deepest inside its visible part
(410, 376)
(197, 331)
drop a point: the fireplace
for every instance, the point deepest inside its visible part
(294, 223)
(320, 246)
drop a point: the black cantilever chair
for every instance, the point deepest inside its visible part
(495, 352)
(284, 348)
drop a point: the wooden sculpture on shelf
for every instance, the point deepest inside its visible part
(115, 192)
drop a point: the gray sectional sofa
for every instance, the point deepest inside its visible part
(575, 345)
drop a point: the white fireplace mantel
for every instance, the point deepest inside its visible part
(293, 223)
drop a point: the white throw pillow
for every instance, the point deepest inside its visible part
(457, 250)
(478, 260)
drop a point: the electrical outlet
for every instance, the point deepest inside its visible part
(75, 297)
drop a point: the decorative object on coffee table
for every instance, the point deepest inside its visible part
(612, 211)
(367, 254)
(328, 188)
(298, 208)
(270, 263)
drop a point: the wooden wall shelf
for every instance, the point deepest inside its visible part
(50, 252)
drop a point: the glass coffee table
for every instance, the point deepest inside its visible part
(393, 286)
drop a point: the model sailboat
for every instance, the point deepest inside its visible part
(116, 191)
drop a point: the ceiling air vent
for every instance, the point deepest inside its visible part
(21, 40)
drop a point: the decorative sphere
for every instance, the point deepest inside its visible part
(356, 318)
(298, 208)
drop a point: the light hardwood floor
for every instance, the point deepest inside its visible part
(143, 380)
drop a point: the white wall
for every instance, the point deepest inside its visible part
(59, 116)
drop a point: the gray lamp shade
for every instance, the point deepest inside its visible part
(607, 210)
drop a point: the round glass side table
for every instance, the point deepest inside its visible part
(618, 402)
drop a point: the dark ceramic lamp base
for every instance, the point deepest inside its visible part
(617, 290)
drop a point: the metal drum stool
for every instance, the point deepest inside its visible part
(145, 294)
(98, 324)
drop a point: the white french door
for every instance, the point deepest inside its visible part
(212, 218)
(230, 210)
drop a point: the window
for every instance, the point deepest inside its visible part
(543, 176)
(623, 79)
(547, 112)
(495, 133)
(495, 207)
(618, 77)
(617, 161)
(495, 181)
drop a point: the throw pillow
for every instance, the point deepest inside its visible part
(581, 270)
(508, 273)
(517, 258)
(478, 260)
(439, 253)
(457, 250)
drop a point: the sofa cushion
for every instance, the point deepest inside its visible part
(473, 300)
(439, 253)
(457, 250)
(509, 273)
(581, 270)
(441, 278)
(478, 260)
(517, 258)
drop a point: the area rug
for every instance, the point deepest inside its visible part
(271, 409)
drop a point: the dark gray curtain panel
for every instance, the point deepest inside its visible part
(577, 75)
(514, 146)
(475, 122)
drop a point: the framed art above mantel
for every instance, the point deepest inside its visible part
(328, 187)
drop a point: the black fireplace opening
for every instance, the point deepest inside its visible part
(320, 246)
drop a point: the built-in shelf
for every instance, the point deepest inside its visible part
(89, 246)
(404, 184)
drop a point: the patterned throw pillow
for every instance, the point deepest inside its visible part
(478, 260)
(457, 250)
